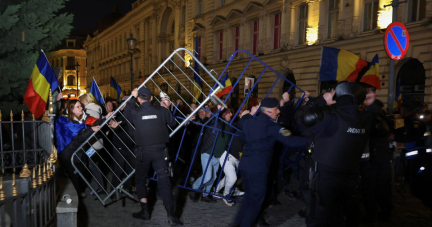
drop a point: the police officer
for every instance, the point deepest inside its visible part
(260, 134)
(151, 136)
(340, 137)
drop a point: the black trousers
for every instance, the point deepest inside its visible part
(155, 158)
(333, 201)
(124, 163)
(65, 160)
(255, 185)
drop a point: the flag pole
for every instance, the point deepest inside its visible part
(51, 69)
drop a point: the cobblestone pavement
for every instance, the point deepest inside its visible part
(408, 211)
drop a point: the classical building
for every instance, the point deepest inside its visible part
(286, 34)
(65, 57)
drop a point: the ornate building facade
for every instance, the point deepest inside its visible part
(285, 34)
(65, 58)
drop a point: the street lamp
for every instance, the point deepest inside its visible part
(131, 41)
(77, 70)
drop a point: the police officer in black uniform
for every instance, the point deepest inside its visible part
(151, 136)
(340, 135)
(260, 134)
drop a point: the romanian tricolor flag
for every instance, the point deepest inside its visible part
(371, 75)
(337, 64)
(115, 89)
(398, 95)
(228, 86)
(95, 93)
(197, 80)
(41, 81)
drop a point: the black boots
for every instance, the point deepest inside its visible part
(143, 214)
(171, 219)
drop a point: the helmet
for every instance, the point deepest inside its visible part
(352, 89)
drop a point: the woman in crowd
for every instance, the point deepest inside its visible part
(71, 132)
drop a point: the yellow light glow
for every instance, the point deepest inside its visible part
(187, 60)
(384, 17)
(311, 35)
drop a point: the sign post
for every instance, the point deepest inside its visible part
(391, 86)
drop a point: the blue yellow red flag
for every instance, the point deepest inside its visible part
(41, 81)
(340, 65)
(371, 75)
(115, 89)
(228, 86)
(95, 93)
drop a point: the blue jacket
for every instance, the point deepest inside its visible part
(260, 135)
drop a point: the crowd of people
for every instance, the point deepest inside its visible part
(342, 136)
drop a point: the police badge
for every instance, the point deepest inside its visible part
(285, 132)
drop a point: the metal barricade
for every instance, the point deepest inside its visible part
(106, 157)
(266, 71)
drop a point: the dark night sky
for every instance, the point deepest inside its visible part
(87, 13)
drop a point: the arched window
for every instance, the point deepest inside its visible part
(287, 85)
(71, 80)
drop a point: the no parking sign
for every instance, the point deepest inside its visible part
(396, 40)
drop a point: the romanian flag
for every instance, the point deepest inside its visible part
(337, 64)
(228, 86)
(95, 93)
(42, 80)
(371, 75)
(197, 80)
(65, 131)
(115, 90)
(398, 95)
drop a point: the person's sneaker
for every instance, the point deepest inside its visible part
(237, 192)
(208, 199)
(228, 202)
(217, 196)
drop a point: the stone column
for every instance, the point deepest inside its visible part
(141, 40)
(261, 37)
(428, 10)
(241, 37)
(341, 18)
(177, 18)
(268, 42)
(355, 19)
(155, 54)
(284, 21)
(146, 47)
(292, 38)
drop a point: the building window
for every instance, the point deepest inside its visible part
(220, 40)
(416, 10)
(277, 31)
(370, 15)
(255, 37)
(303, 14)
(71, 80)
(237, 39)
(333, 17)
(70, 44)
(222, 2)
(199, 7)
(70, 63)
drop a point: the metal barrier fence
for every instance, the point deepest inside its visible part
(24, 142)
(106, 157)
(29, 203)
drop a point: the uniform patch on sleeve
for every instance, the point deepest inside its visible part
(285, 132)
(149, 117)
(416, 124)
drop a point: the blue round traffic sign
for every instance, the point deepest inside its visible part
(396, 40)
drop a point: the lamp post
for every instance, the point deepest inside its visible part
(77, 70)
(131, 41)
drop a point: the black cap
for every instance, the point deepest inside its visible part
(144, 91)
(409, 105)
(269, 102)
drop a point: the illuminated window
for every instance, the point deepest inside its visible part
(333, 18)
(370, 15)
(302, 23)
(416, 10)
(255, 37)
(277, 31)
